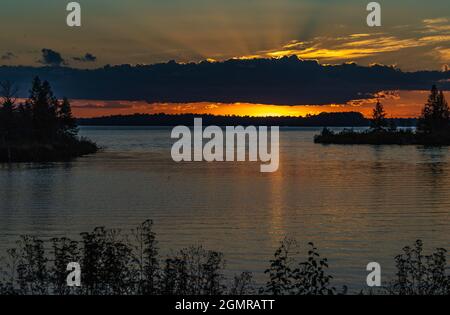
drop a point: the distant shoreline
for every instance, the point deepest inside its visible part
(344, 119)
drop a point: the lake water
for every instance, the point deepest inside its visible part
(358, 204)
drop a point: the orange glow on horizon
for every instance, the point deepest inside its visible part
(398, 104)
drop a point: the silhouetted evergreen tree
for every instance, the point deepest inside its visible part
(436, 113)
(40, 129)
(379, 121)
(67, 123)
(7, 123)
(25, 122)
(41, 113)
(44, 106)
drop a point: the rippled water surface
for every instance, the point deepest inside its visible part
(356, 203)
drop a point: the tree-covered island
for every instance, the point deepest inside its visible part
(40, 129)
(433, 127)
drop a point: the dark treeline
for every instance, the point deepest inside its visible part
(114, 263)
(324, 119)
(433, 127)
(40, 129)
(346, 119)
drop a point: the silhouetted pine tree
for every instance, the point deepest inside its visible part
(40, 129)
(7, 111)
(436, 113)
(41, 118)
(24, 122)
(66, 121)
(44, 106)
(379, 121)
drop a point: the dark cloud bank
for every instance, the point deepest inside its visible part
(281, 81)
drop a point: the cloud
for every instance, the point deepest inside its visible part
(8, 56)
(362, 46)
(435, 39)
(86, 58)
(283, 81)
(435, 21)
(344, 48)
(431, 35)
(442, 53)
(51, 58)
(436, 25)
(104, 105)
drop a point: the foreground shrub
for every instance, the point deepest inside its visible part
(287, 276)
(114, 263)
(419, 274)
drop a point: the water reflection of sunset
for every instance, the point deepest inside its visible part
(400, 104)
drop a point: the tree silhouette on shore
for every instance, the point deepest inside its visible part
(40, 129)
(436, 113)
(7, 110)
(433, 127)
(42, 117)
(379, 121)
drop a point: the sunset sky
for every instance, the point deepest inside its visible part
(414, 35)
(398, 104)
